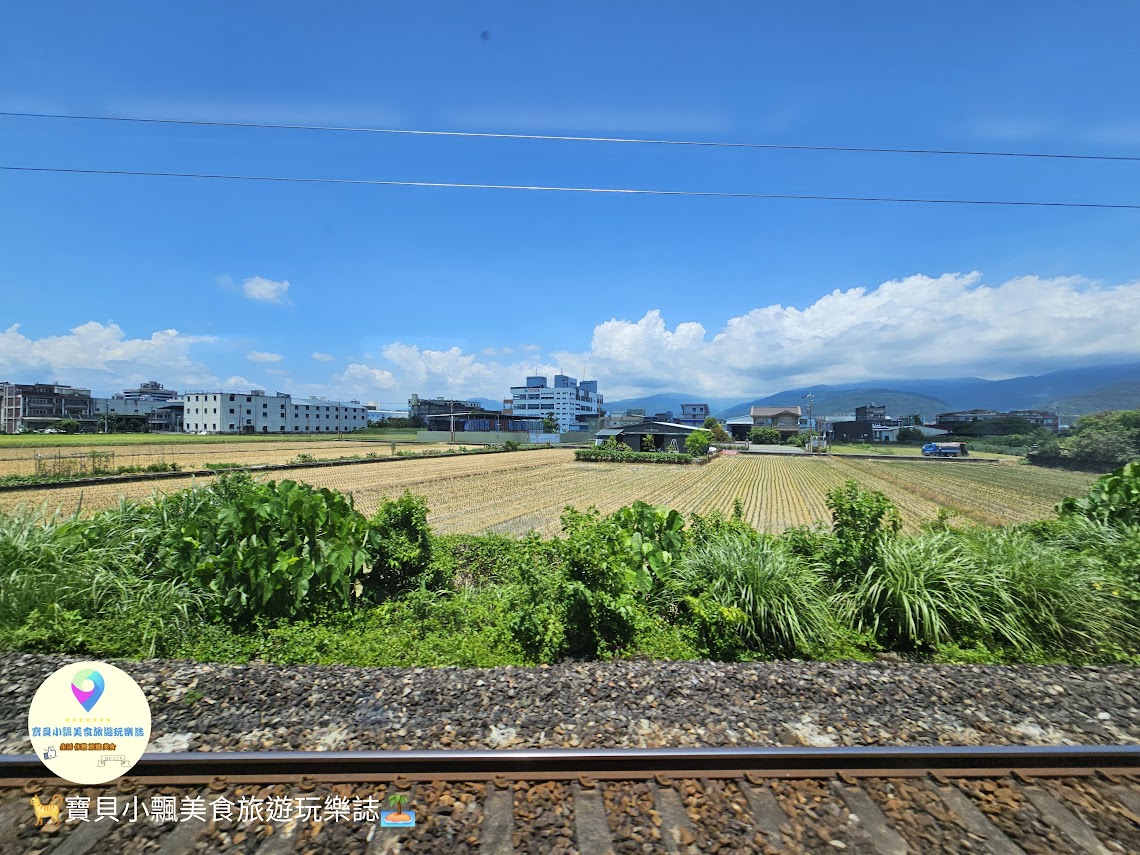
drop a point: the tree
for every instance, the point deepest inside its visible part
(698, 442)
(718, 433)
(550, 425)
(764, 436)
(909, 434)
(648, 442)
(67, 425)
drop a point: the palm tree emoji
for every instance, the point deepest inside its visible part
(397, 801)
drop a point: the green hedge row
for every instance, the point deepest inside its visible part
(607, 456)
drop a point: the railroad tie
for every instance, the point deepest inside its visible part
(498, 822)
(884, 839)
(975, 822)
(1062, 819)
(676, 825)
(1128, 797)
(766, 814)
(591, 828)
(386, 841)
(181, 839)
(84, 838)
(281, 841)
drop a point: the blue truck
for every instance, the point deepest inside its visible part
(944, 449)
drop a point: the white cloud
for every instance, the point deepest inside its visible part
(323, 357)
(101, 357)
(363, 380)
(914, 327)
(266, 290)
(263, 356)
(238, 383)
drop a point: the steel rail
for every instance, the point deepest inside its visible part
(610, 764)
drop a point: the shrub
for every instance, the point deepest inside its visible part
(698, 442)
(861, 522)
(1114, 498)
(399, 546)
(764, 436)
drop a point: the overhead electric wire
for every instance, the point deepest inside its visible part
(630, 191)
(568, 138)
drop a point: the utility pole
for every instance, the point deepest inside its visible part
(811, 422)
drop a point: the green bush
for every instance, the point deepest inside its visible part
(862, 521)
(399, 548)
(601, 454)
(764, 436)
(698, 442)
(1114, 498)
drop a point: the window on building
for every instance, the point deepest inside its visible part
(231, 397)
(248, 399)
(231, 413)
(231, 423)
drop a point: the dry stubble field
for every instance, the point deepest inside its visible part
(194, 455)
(520, 492)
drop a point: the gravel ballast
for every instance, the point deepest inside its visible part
(210, 707)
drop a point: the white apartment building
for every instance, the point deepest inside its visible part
(564, 401)
(217, 411)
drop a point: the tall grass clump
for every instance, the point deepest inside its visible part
(748, 595)
(84, 586)
(924, 591)
(1063, 602)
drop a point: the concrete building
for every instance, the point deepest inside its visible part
(36, 406)
(864, 431)
(564, 401)
(117, 412)
(255, 411)
(871, 413)
(784, 419)
(1040, 418)
(151, 390)
(693, 414)
(150, 407)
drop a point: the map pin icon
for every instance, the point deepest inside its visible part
(87, 697)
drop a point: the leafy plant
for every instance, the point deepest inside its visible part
(861, 522)
(764, 436)
(698, 442)
(1114, 498)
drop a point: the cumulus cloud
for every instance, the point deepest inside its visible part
(919, 326)
(103, 357)
(263, 356)
(360, 379)
(323, 357)
(238, 383)
(266, 290)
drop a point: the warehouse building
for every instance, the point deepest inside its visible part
(255, 411)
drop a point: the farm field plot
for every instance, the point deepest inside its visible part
(517, 493)
(986, 494)
(195, 455)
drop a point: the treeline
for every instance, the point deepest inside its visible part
(285, 572)
(1100, 441)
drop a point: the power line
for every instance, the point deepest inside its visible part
(565, 138)
(628, 191)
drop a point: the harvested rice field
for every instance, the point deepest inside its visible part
(192, 455)
(516, 493)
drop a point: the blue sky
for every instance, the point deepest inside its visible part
(378, 292)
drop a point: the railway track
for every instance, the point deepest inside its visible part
(1005, 799)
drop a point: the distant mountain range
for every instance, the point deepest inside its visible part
(1070, 392)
